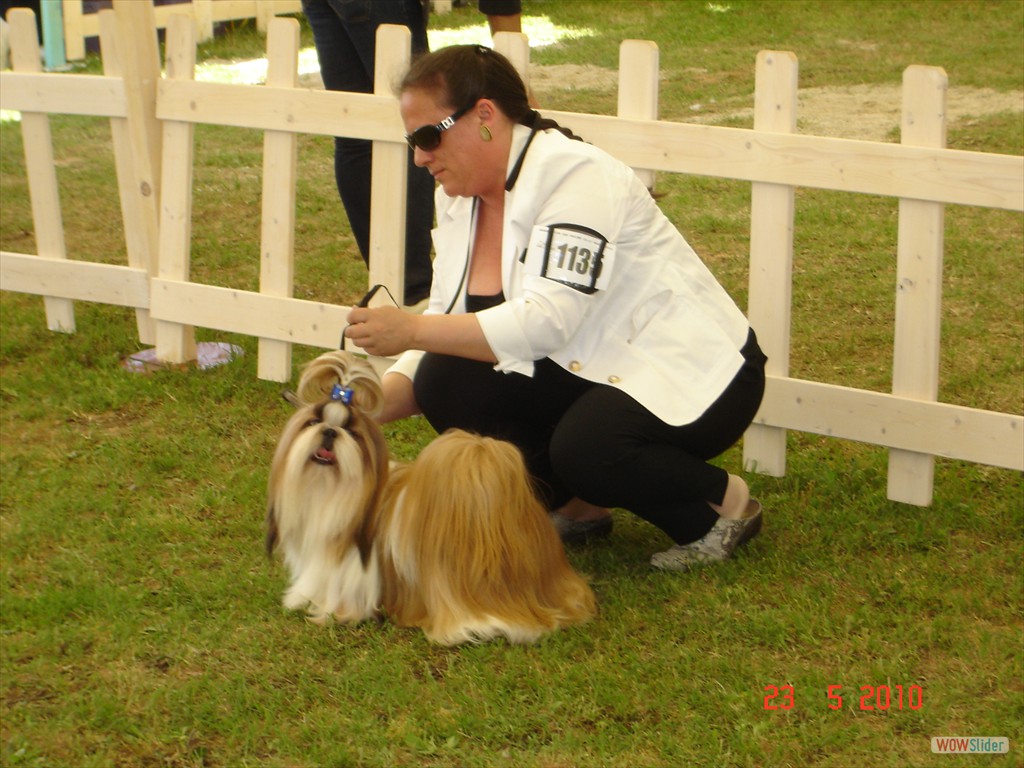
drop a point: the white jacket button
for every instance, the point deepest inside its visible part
(613, 379)
(575, 366)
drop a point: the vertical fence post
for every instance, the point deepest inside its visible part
(277, 233)
(638, 88)
(389, 170)
(74, 29)
(203, 12)
(771, 252)
(139, 56)
(919, 259)
(515, 47)
(175, 342)
(40, 167)
(141, 249)
(264, 12)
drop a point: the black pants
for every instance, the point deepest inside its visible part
(594, 442)
(345, 35)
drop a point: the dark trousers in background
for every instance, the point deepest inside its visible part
(344, 32)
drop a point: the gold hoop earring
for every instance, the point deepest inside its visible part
(485, 133)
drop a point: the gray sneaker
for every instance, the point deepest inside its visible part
(718, 544)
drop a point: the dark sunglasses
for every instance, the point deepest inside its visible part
(428, 137)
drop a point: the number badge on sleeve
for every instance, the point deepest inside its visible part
(576, 256)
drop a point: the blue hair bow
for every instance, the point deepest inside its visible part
(342, 393)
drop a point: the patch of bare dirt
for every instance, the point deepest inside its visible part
(868, 112)
(872, 112)
(572, 77)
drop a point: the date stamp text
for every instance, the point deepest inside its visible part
(877, 698)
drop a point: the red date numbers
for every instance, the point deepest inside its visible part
(876, 698)
(785, 695)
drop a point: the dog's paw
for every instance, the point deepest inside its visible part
(294, 600)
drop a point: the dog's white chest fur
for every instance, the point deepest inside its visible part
(318, 530)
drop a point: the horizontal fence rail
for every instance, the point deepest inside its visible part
(847, 165)
(79, 25)
(94, 95)
(920, 172)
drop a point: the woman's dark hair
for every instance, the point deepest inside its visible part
(459, 75)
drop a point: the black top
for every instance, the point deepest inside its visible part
(476, 303)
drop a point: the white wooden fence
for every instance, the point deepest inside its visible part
(79, 25)
(153, 118)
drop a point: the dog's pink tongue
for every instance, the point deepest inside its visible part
(323, 453)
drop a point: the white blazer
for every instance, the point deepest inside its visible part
(658, 326)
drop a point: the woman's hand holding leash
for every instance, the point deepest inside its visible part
(383, 331)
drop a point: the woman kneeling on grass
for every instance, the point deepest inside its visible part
(568, 316)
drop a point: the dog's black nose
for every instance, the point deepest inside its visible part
(328, 436)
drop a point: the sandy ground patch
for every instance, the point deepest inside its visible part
(872, 112)
(868, 112)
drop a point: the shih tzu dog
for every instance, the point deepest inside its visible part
(326, 480)
(467, 551)
(455, 543)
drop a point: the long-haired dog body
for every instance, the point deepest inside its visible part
(468, 552)
(326, 478)
(455, 543)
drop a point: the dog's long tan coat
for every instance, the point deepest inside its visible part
(455, 543)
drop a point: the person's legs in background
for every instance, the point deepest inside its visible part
(344, 32)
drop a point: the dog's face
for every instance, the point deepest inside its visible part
(332, 457)
(325, 444)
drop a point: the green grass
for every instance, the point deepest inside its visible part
(140, 623)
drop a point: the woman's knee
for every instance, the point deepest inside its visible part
(589, 460)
